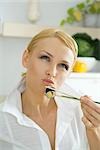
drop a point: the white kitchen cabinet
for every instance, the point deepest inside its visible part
(11, 29)
(86, 83)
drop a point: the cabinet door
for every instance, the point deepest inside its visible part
(86, 86)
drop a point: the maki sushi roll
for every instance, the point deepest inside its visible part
(50, 93)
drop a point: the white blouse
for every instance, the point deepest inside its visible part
(18, 132)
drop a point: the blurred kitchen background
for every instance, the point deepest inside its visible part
(21, 19)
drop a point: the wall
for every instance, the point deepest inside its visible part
(11, 49)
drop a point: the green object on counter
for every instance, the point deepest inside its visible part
(87, 46)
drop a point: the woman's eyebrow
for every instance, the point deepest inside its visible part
(66, 62)
(47, 53)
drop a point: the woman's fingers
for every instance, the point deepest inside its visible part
(91, 119)
(87, 100)
(87, 123)
(91, 112)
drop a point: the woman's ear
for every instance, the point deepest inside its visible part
(25, 58)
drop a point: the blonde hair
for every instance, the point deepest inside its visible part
(52, 32)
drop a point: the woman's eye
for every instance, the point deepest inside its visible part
(64, 66)
(44, 57)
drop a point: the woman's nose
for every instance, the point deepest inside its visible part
(52, 71)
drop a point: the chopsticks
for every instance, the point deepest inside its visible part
(63, 94)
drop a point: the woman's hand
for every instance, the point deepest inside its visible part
(91, 120)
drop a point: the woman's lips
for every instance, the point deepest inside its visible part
(48, 81)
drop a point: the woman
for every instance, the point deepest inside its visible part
(29, 120)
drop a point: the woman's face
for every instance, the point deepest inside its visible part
(49, 64)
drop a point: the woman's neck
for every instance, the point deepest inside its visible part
(39, 105)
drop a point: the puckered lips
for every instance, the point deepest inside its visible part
(48, 81)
